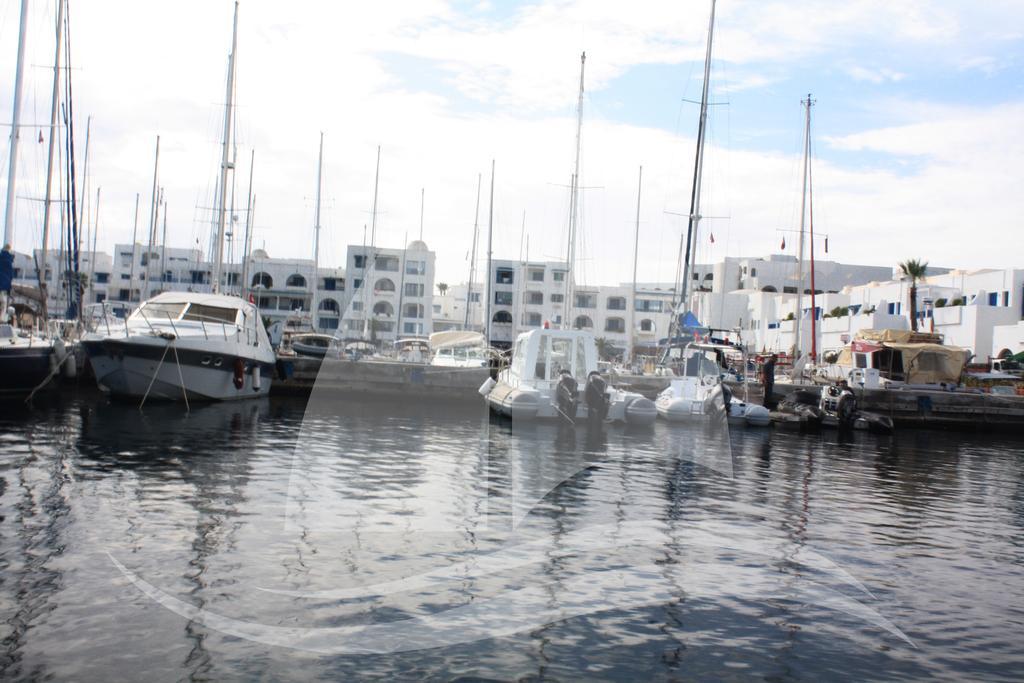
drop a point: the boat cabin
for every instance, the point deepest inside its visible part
(539, 356)
(207, 315)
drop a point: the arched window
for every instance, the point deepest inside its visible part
(647, 325)
(614, 325)
(384, 285)
(295, 280)
(329, 305)
(583, 323)
(502, 317)
(616, 303)
(412, 310)
(768, 288)
(383, 308)
(263, 280)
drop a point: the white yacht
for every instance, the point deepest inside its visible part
(550, 369)
(459, 349)
(185, 345)
(698, 391)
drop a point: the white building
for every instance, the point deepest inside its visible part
(397, 302)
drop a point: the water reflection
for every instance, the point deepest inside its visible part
(248, 530)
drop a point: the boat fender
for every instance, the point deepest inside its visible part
(239, 373)
(257, 377)
(70, 367)
(486, 387)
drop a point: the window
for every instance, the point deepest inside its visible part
(558, 276)
(359, 261)
(535, 298)
(163, 311)
(504, 276)
(357, 283)
(753, 272)
(329, 305)
(615, 325)
(210, 313)
(647, 305)
(583, 323)
(386, 263)
(616, 303)
(412, 328)
(789, 290)
(124, 276)
(258, 280)
(357, 306)
(413, 289)
(536, 275)
(646, 325)
(330, 284)
(503, 298)
(557, 298)
(892, 308)
(502, 318)
(102, 278)
(233, 278)
(384, 285)
(412, 310)
(295, 280)
(329, 323)
(437, 309)
(993, 298)
(383, 308)
(474, 298)
(533, 320)
(585, 300)
(415, 267)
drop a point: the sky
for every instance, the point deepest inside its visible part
(917, 125)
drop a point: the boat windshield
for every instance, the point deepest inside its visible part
(156, 311)
(700, 363)
(217, 314)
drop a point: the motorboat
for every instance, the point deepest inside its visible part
(184, 345)
(554, 374)
(697, 391)
(312, 344)
(459, 349)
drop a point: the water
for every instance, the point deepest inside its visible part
(362, 539)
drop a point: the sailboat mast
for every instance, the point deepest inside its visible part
(366, 255)
(800, 248)
(574, 202)
(472, 256)
(152, 221)
(246, 242)
(810, 225)
(316, 236)
(12, 169)
(226, 163)
(636, 251)
(95, 230)
(698, 168)
(54, 101)
(135, 240)
(489, 277)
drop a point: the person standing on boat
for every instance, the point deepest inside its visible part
(6, 279)
(768, 378)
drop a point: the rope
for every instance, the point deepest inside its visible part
(49, 377)
(184, 393)
(153, 379)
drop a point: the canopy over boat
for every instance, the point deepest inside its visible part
(920, 361)
(454, 338)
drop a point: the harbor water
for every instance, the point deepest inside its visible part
(350, 539)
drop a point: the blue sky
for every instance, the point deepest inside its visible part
(918, 125)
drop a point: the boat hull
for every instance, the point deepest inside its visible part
(127, 369)
(23, 368)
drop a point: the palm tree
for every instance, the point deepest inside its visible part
(442, 287)
(915, 270)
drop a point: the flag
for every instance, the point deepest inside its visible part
(252, 299)
(712, 237)
(783, 241)
(40, 137)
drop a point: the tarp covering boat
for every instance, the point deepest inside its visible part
(453, 338)
(920, 362)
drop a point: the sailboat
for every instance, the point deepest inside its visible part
(186, 345)
(29, 359)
